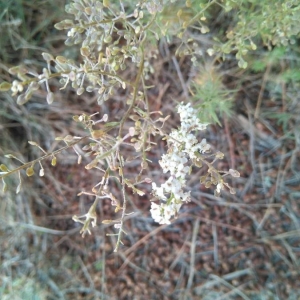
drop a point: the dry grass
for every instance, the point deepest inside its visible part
(243, 246)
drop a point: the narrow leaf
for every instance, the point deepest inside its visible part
(112, 124)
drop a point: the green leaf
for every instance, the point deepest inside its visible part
(258, 65)
(111, 124)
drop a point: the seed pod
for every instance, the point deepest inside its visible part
(234, 173)
(29, 171)
(42, 172)
(50, 98)
(106, 3)
(47, 56)
(5, 86)
(53, 161)
(96, 134)
(22, 99)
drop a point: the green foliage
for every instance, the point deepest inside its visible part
(211, 97)
(259, 23)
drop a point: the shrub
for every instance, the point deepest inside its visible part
(113, 38)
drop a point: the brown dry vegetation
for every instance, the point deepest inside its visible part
(242, 246)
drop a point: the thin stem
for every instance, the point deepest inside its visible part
(200, 12)
(138, 78)
(122, 216)
(26, 165)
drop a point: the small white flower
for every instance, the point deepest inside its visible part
(203, 146)
(158, 191)
(183, 146)
(71, 32)
(210, 52)
(219, 187)
(164, 212)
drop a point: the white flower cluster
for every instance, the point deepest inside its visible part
(183, 146)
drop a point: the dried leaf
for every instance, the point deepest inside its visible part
(96, 134)
(92, 164)
(106, 221)
(118, 208)
(68, 138)
(139, 192)
(76, 118)
(208, 184)
(219, 155)
(202, 179)
(234, 173)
